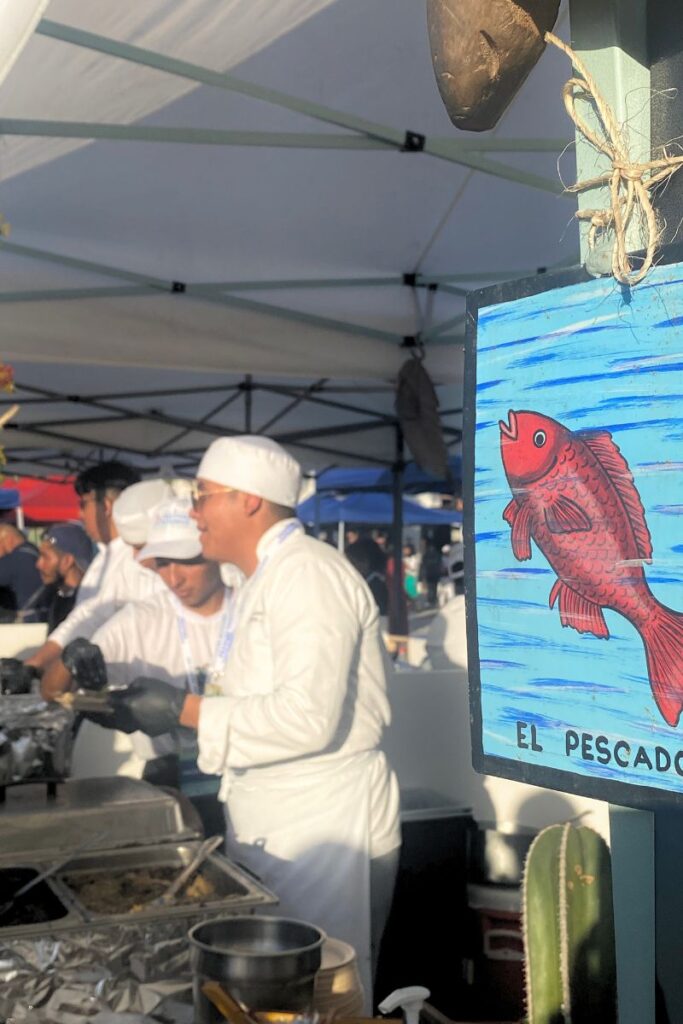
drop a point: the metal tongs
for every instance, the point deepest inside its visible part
(204, 851)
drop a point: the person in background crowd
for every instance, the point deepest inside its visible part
(447, 635)
(114, 575)
(430, 572)
(312, 806)
(411, 567)
(66, 551)
(369, 560)
(176, 636)
(22, 596)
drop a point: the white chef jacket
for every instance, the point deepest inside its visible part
(143, 639)
(296, 732)
(122, 580)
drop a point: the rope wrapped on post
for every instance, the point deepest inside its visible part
(629, 182)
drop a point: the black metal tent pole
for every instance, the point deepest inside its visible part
(398, 619)
(248, 402)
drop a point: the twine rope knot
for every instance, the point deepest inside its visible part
(630, 182)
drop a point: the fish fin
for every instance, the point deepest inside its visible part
(518, 517)
(663, 638)
(563, 515)
(510, 512)
(578, 612)
(557, 587)
(615, 465)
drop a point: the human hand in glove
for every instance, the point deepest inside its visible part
(149, 705)
(86, 664)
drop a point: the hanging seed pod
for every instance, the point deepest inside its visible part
(482, 50)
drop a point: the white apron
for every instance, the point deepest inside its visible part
(305, 831)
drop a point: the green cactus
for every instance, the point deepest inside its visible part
(568, 920)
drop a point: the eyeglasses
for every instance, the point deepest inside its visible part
(198, 496)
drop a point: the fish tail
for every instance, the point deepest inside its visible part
(662, 635)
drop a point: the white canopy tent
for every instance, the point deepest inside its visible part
(244, 216)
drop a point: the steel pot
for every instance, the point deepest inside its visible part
(497, 852)
(266, 963)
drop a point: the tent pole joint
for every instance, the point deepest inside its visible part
(414, 142)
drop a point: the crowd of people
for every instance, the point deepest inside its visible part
(245, 661)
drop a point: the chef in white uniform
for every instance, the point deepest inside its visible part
(117, 519)
(179, 636)
(295, 731)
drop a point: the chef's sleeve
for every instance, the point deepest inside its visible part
(313, 624)
(84, 620)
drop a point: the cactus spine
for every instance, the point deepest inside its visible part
(568, 922)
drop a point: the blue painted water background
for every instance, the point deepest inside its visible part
(593, 356)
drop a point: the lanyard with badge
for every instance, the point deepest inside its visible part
(197, 679)
(209, 684)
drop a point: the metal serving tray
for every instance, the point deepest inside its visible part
(121, 812)
(237, 891)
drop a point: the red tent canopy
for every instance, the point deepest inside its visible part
(51, 500)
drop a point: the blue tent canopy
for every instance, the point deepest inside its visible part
(371, 478)
(372, 509)
(9, 498)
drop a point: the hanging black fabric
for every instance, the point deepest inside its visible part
(417, 407)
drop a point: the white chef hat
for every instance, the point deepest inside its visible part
(134, 508)
(172, 533)
(253, 464)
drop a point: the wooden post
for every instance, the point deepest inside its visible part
(610, 36)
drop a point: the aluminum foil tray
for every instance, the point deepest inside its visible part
(36, 739)
(121, 812)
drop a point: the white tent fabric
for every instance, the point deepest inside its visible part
(77, 85)
(18, 18)
(265, 257)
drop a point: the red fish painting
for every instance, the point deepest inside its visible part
(574, 495)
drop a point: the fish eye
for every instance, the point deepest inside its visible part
(539, 438)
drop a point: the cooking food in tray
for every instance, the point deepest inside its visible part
(126, 891)
(133, 890)
(36, 907)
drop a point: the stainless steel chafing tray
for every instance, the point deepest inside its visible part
(234, 890)
(123, 812)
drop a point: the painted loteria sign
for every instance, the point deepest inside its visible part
(574, 474)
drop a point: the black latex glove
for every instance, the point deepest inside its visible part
(15, 677)
(149, 705)
(86, 664)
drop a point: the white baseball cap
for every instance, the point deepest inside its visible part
(172, 533)
(134, 509)
(255, 465)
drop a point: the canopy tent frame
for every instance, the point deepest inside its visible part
(93, 130)
(406, 141)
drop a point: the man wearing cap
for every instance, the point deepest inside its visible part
(177, 635)
(65, 553)
(21, 590)
(114, 577)
(312, 805)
